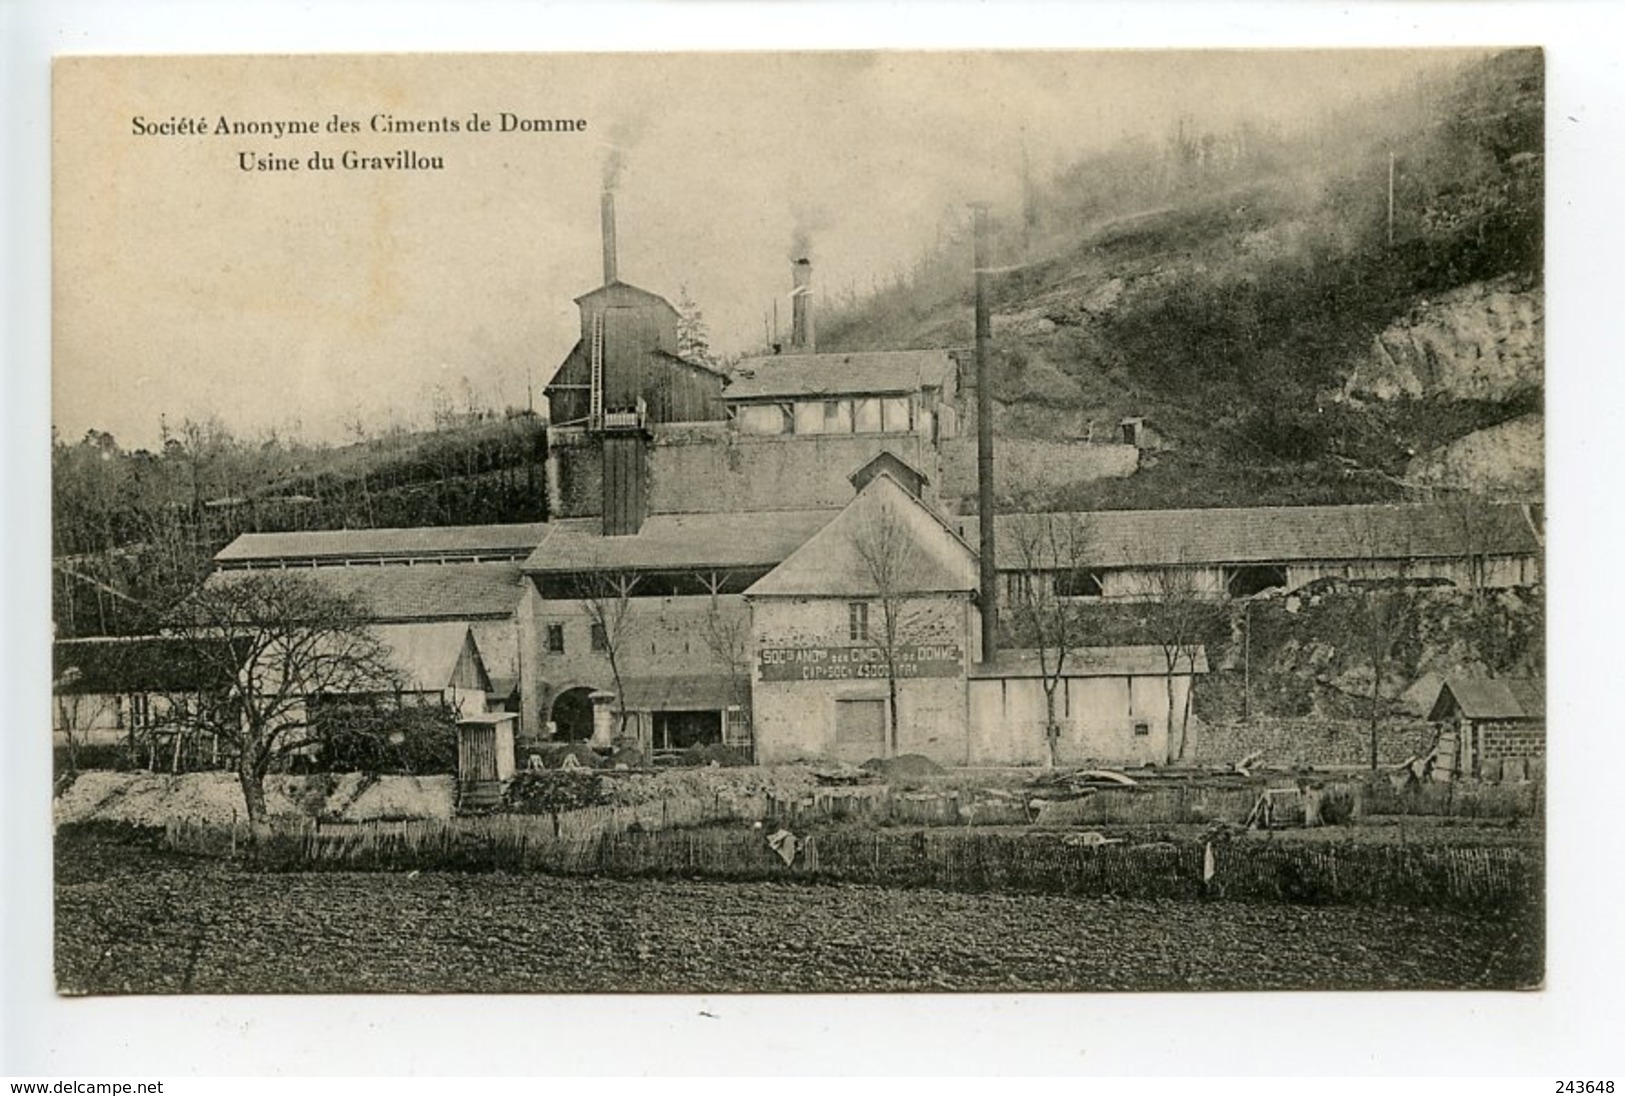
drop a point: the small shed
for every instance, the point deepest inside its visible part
(1490, 725)
(485, 753)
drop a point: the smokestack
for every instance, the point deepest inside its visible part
(801, 305)
(984, 446)
(606, 209)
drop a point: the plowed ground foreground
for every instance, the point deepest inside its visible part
(132, 921)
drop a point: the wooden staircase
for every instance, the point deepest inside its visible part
(478, 795)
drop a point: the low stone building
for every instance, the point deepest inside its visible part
(1490, 725)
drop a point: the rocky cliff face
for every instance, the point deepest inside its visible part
(1506, 459)
(1484, 341)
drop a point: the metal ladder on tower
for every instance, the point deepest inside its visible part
(595, 397)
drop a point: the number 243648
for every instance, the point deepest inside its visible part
(1578, 1088)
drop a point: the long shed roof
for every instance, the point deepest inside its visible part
(425, 591)
(1273, 534)
(876, 372)
(143, 664)
(415, 541)
(666, 541)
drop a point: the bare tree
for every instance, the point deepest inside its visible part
(890, 557)
(727, 637)
(77, 712)
(1380, 539)
(267, 646)
(1052, 551)
(1479, 527)
(1176, 619)
(606, 598)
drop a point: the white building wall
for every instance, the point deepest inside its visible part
(796, 720)
(1097, 716)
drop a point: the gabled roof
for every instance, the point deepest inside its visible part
(1275, 534)
(1491, 698)
(1131, 661)
(421, 541)
(142, 664)
(910, 477)
(623, 288)
(869, 372)
(756, 539)
(883, 523)
(420, 592)
(426, 654)
(655, 353)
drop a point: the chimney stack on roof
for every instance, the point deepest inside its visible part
(801, 307)
(607, 217)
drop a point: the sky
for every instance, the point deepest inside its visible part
(323, 302)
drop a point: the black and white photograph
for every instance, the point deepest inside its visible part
(786, 522)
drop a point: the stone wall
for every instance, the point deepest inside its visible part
(694, 470)
(710, 468)
(1319, 742)
(1024, 467)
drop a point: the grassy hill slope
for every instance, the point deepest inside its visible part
(1226, 285)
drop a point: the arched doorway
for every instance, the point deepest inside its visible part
(571, 714)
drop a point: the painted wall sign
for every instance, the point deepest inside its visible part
(849, 663)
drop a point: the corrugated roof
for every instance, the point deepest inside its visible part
(1130, 661)
(878, 371)
(1492, 698)
(676, 693)
(142, 664)
(427, 591)
(1271, 534)
(425, 654)
(834, 562)
(756, 539)
(417, 541)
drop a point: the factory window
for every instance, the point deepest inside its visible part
(810, 417)
(866, 416)
(762, 418)
(837, 417)
(555, 638)
(1077, 584)
(600, 638)
(1247, 581)
(894, 414)
(857, 621)
(1141, 728)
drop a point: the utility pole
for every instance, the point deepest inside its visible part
(1390, 199)
(1247, 661)
(984, 444)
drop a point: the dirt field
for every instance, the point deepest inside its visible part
(129, 921)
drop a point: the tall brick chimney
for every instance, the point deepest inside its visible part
(606, 209)
(801, 307)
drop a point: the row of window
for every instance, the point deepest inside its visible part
(597, 638)
(857, 628)
(1238, 581)
(867, 415)
(514, 556)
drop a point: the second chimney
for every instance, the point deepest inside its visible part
(801, 307)
(607, 216)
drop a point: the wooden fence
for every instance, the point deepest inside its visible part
(957, 858)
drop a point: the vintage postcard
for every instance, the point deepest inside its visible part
(860, 522)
